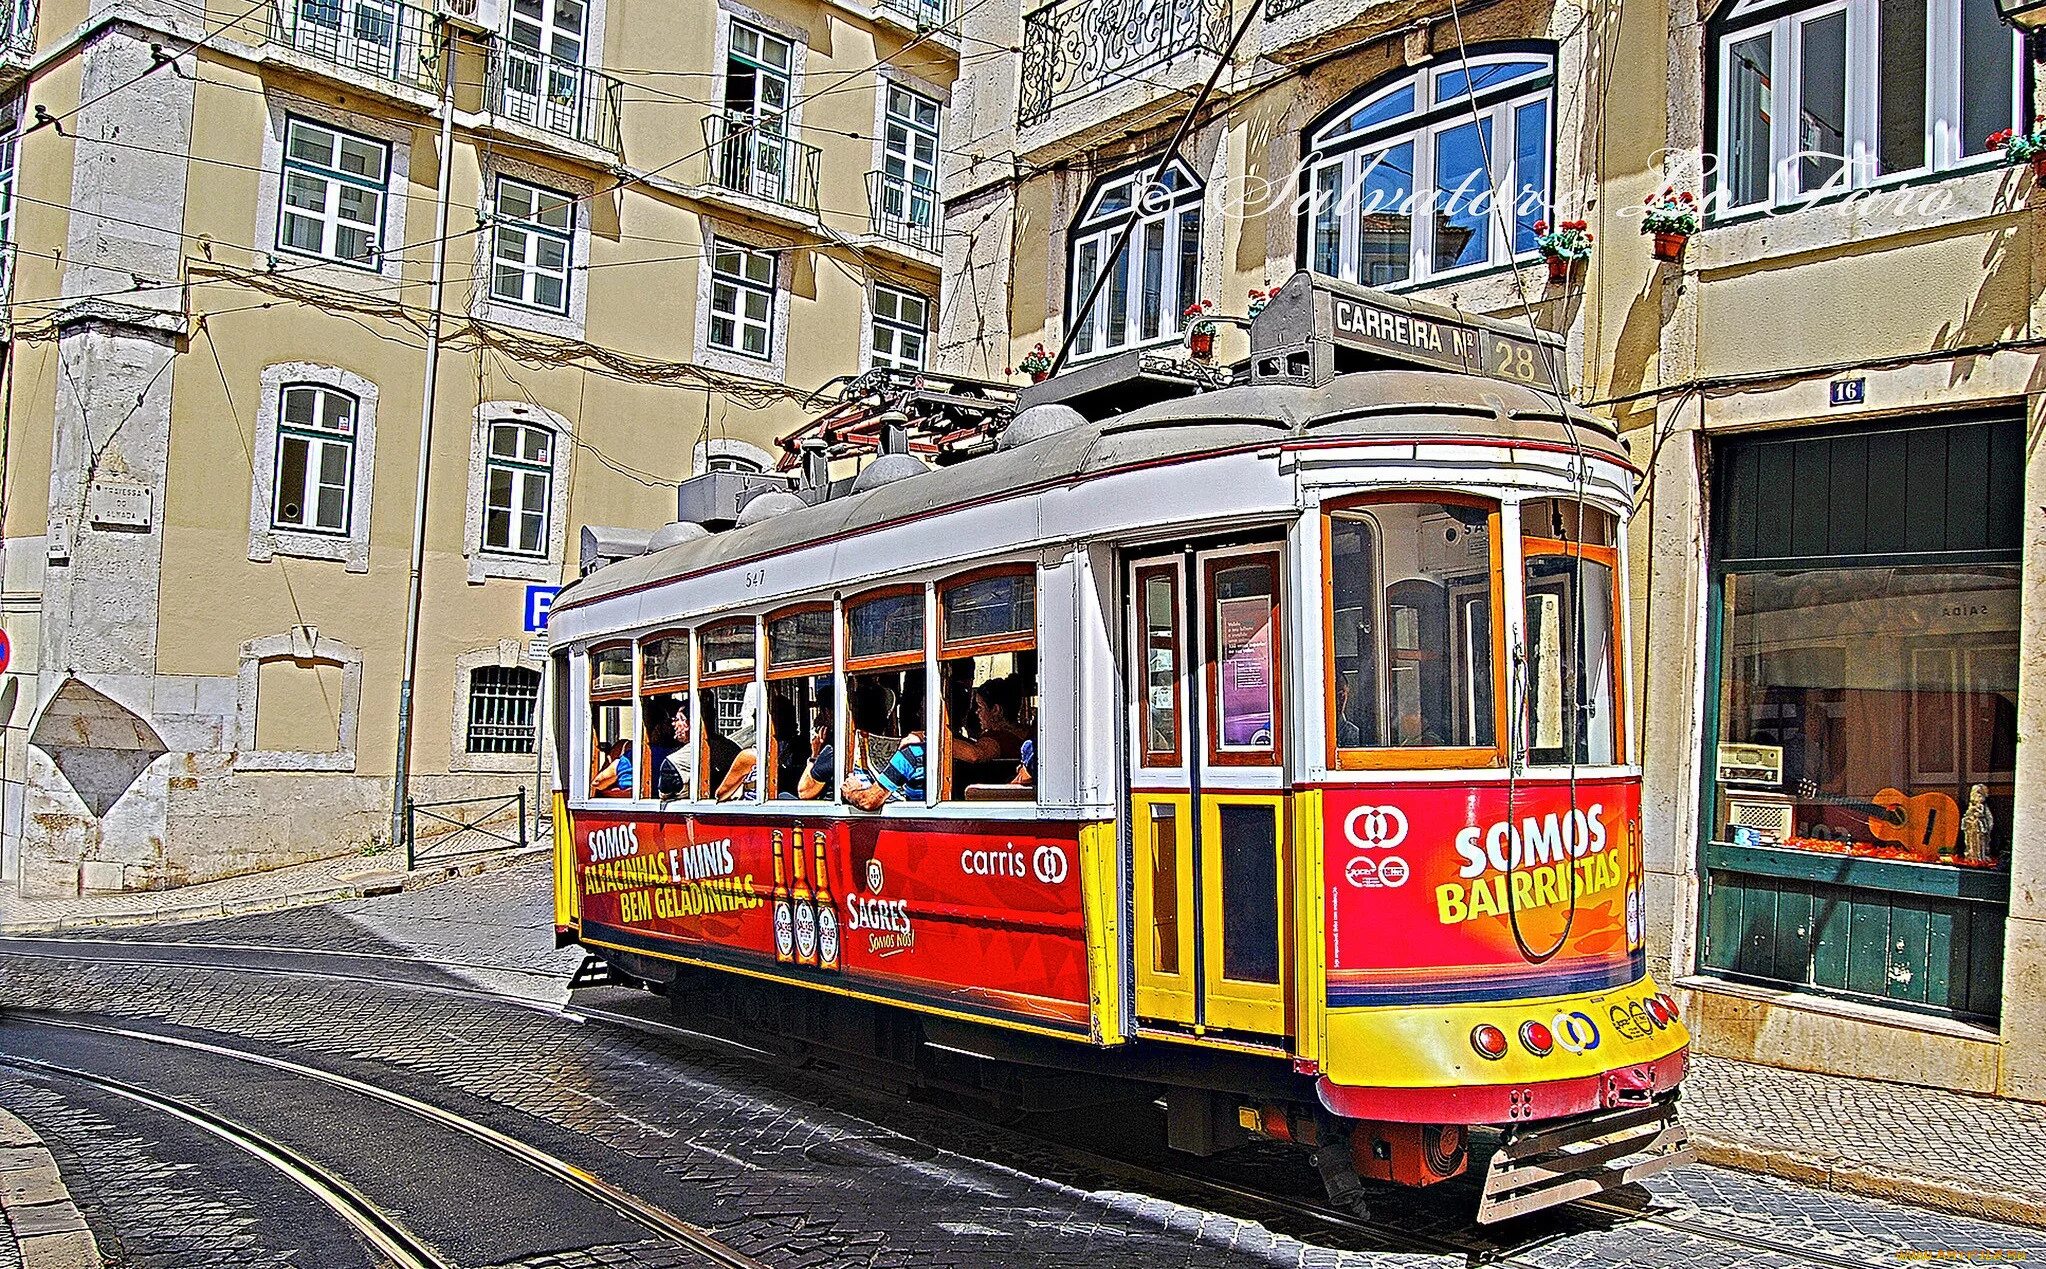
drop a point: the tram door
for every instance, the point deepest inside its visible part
(1207, 796)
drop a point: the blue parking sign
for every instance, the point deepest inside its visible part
(539, 601)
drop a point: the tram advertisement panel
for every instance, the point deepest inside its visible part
(1428, 884)
(976, 915)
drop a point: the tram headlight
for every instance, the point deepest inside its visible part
(1489, 1041)
(1536, 1038)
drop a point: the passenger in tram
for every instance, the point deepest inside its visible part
(720, 752)
(785, 734)
(997, 736)
(741, 781)
(675, 768)
(614, 777)
(902, 777)
(822, 763)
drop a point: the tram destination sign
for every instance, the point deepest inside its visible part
(1385, 326)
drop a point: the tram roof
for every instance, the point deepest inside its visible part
(1389, 404)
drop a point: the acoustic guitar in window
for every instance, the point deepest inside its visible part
(1927, 823)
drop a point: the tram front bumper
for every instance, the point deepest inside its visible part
(1537, 1168)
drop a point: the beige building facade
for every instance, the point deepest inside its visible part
(672, 233)
(1835, 569)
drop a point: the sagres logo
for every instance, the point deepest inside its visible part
(874, 875)
(1375, 827)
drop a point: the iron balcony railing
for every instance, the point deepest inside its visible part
(1073, 49)
(564, 98)
(902, 210)
(925, 15)
(393, 42)
(754, 157)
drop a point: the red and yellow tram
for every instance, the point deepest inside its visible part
(1328, 822)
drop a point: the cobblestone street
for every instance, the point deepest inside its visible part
(397, 1042)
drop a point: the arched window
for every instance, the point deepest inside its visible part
(1157, 275)
(1822, 97)
(518, 488)
(1436, 171)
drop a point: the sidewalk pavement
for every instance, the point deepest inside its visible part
(45, 1229)
(1956, 1152)
(322, 881)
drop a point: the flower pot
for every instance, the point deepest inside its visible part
(1670, 247)
(1559, 270)
(1039, 376)
(2039, 168)
(1202, 344)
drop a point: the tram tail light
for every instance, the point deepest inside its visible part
(1489, 1041)
(1536, 1038)
(1658, 1011)
(1669, 1003)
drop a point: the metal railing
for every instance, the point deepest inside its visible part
(742, 155)
(925, 15)
(393, 42)
(1073, 49)
(902, 210)
(564, 98)
(461, 827)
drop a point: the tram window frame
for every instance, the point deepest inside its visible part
(1014, 644)
(611, 696)
(1543, 545)
(708, 682)
(1141, 683)
(1219, 755)
(1383, 757)
(666, 686)
(800, 670)
(903, 661)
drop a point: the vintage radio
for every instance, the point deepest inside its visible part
(1769, 816)
(1751, 764)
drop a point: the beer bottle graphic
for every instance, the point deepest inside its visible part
(827, 913)
(806, 912)
(784, 919)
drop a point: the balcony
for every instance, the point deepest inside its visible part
(900, 210)
(1073, 49)
(753, 158)
(387, 41)
(564, 98)
(919, 15)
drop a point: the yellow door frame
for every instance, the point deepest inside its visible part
(1165, 939)
(1243, 1004)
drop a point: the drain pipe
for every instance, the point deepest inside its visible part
(401, 779)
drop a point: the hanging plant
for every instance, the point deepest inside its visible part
(1671, 217)
(1036, 363)
(1562, 246)
(1200, 338)
(1259, 299)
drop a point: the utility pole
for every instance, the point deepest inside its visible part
(402, 778)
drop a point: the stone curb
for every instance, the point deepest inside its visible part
(49, 1231)
(366, 884)
(1954, 1194)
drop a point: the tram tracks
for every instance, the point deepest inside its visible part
(291, 962)
(382, 1230)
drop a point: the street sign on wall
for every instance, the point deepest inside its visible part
(539, 600)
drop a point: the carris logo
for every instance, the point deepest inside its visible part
(1368, 872)
(1049, 863)
(615, 842)
(1375, 827)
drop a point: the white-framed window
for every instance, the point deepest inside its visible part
(1819, 98)
(543, 55)
(314, 484)
(901, 325)
(1436, 171)
(535, 246)
(504, 702)
(335, 185)
(909, 157)
(758, 71)
(742, 298)
(518, 488)
(10, 123)
(1157, 274)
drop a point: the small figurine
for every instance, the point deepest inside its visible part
(1976, 823)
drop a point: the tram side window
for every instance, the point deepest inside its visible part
(987, 660)
(885, 699)
(729, 712)
(613, 764)
(664, 721)
(1572, 633)
(1413, 632)
(799, 705)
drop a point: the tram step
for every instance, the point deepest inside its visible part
(595, 971)
(1566, 1162)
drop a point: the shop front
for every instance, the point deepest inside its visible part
(1861, 711)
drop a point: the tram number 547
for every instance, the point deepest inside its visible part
(755, 577)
